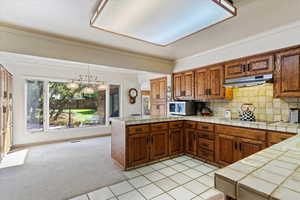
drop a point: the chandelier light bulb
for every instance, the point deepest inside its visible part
(88, 90)
(72, 85)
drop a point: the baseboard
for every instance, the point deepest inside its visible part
(22, 146)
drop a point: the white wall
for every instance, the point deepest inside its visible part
(24, 66)
(285, 36)
(144, 79)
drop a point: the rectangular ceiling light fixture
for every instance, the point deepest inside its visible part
(160, 22)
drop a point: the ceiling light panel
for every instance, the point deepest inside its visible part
(160, 22)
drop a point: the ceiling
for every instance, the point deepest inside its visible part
(69, 18)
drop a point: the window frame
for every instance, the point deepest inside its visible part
(46, 127)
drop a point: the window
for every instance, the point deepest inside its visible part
(61, 107)
(114, 100)
(35, 103)
(71, 108)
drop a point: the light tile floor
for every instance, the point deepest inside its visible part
(181, 178)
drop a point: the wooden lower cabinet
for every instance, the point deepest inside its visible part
(190, 137)
(159, 147)
(138, 149)
(230, 149)
(248, 147)
(225, 150)
(176, 144)
(275, 137)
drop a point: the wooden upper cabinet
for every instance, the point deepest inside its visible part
(177, 85)
(201, 81)
(158, 89)
(260, 65)
(235, 69)
(209, 83)
(287, 75)
(189, 85)
(183, 85)
(257, 65)
(215, 82)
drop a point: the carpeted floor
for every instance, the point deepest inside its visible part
(61, 171)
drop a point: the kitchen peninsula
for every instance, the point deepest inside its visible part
(248, 150)
(140, 140)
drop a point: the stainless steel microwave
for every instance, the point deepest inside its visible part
(182, 108)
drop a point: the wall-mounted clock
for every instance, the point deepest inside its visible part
(133, 93)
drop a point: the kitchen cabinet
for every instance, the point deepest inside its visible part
(226, 148)
(205, 141)
(275, 137)
(248, 147)
(258, 65)
(183, 85)
(287, 74)
(159, 144)
(176, 141)
(190, 141)
(209, 83)
(158, 94)
(138, 149)
(235, 143)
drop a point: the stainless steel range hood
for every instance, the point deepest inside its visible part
(248, 81)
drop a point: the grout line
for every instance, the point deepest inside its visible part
(165, 176)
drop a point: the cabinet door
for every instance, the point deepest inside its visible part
(190, 141)
(226, 149)
(201, 80)
(188, 86)
(158, 109)
(138, 149)
(159, 145)
(248, 147)
(215, 82)
(260, 65)
(287, 80)
(235, 69)
(163, 89)
(177, 85)
(176, 141)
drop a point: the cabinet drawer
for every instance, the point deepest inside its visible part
(176, 124)
(241, 132)
(276, 137)
(206, 154)
(190, 124)
(138, 129)
(206, 135)
(205, 127)
(159, 126)
(206, 144)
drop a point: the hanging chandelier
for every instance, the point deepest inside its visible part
(89, 80)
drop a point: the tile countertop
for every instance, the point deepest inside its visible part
(271, 174)
(273, 126)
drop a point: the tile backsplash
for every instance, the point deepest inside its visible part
(267, 108)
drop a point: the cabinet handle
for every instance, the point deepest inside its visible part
(244, 67)
(205, 127)
(152, 139)
(248, 67)
(240, 145)
(235, 145)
